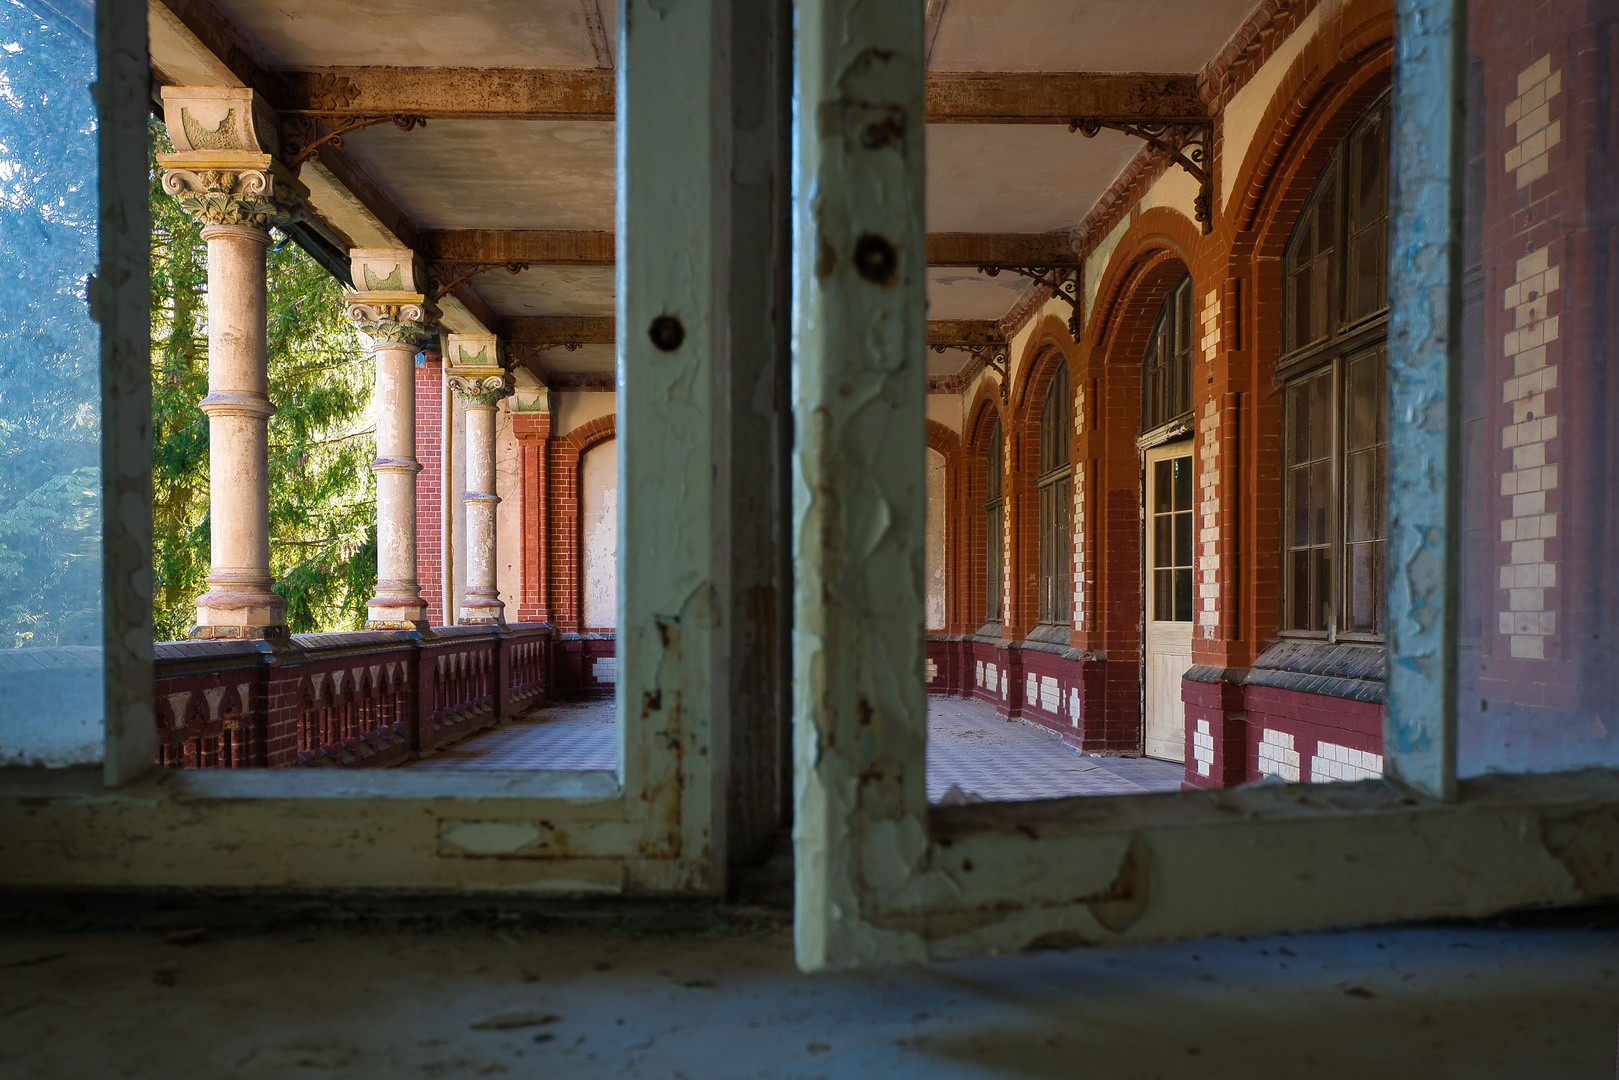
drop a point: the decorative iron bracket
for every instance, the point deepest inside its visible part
(996, 356)
(524, 351)
(1187, 145)
(305, 141)
(447, 276)
(1062, 281)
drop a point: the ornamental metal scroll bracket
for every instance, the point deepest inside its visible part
(995, 355)
(1187, 145)
(305, 141)
(1062, 281)
(525, 351)
(446, 276)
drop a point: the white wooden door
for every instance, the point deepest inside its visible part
(1167, 544)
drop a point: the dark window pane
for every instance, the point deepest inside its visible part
(1163, 595)
(1363, 480)
(1320, 502)
(1183, 596)
(1298, 590)
(1321, 597)
(1162, 487)
(1163, 541)
(1365, 587)
(1183, 483)
(1183, 539)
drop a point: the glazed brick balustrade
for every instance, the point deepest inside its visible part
(357, 700)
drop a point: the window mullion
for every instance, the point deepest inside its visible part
(1424, 477)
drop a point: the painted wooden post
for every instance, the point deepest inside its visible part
(673, 554)
(860, 710)
(1425, 304)
(121, 301)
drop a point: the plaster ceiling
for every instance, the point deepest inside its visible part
(549, 290)
(1096, 35)
(585, 360)
(494, 174)
(963, 293)
(1018, 177)
(425, 33)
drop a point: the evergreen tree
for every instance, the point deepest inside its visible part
(50, 397)
(323, 540)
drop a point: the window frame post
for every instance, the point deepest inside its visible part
(1424, 342)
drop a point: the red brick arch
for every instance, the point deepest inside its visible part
(564, 577)
(947, 444)
(1329, 86)
(1048, 347)
(982, 415)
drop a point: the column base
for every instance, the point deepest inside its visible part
(394, 612)
(485, 610)
(235, 613)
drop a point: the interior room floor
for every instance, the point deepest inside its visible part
(970, 748)
(357, 994)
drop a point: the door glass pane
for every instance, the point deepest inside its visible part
(1163, 490)
(51, 659)
(1163, 595)
(1538, 669)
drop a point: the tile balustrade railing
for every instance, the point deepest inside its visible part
(357, 700)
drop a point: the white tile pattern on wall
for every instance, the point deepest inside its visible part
(1334, 762)
(1277, 755)
(1050, 695)
(1527, 573)
(1203, 747)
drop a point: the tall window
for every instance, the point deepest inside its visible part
(1166, 367)
(1335, 329)
(994, 507)
(1056, 487)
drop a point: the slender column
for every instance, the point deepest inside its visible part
(480, 381)
(399, 321)
(222, 177)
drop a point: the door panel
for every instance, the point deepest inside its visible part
(1168, 546)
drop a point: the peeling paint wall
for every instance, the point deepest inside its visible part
(509, 513)
(598, 524)
(935, 541)
(570, 408)
(1246, 109)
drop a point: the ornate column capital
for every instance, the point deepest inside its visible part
(389, 306)
(475, 371)
(224, 171)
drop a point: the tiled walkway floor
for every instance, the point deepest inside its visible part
(969, 747)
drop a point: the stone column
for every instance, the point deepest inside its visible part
(477, 377)
(399, 321)
(224, 174)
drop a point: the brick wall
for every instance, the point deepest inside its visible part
(430, 485)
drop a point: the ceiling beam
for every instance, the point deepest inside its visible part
(1058, 97)
(537, 247)
(1002, 249)
(1032, 97)
(598, 330)
(559, 247)
(457, 93)
(560, 330)
(965, 332)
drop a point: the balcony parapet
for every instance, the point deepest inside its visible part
(365, 699)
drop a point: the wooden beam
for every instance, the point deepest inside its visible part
(558, 247)
(1057, 97)
(1033, 97)
(560, 330)
(598, 330)
(965, 332)
(1002, 249)
(463, 93)
(537, 247)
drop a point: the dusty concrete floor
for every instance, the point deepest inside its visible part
(362, 994)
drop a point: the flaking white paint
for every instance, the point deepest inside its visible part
(935, 541)
(598, 526)
(1242, 114)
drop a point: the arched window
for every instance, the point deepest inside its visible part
(1056, 486)
(1166, 366)
(1335, 327)
(994, 507)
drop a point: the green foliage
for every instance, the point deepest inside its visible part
(50, 415)
(322, 492)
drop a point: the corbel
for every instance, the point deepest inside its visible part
(1063, 281)
(1186, 144)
